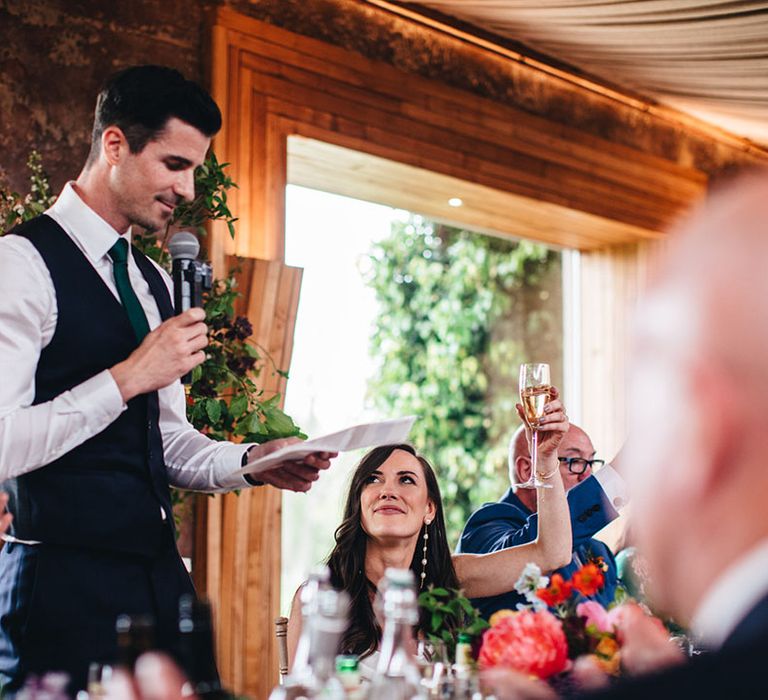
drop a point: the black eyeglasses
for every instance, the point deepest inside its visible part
(578, 465)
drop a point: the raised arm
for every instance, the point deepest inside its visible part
(483, 575)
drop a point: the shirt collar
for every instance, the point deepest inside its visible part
(92, 233)
(729, 599)
(512, 498)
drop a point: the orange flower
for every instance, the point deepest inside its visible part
(588, 580)
(529, 642)
(557, 592)
(607, 647)
(610, 666)
(608, 656)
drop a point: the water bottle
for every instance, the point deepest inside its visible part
(324, 620)
(397, 674)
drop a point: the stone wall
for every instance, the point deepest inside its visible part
(54, 54)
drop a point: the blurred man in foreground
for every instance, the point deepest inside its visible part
(700, 388)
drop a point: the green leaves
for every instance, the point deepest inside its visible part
(451, 614)
(210, 202)
(223, 398)
(239, 404)
(213, 410)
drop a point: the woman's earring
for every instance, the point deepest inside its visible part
(424, 555)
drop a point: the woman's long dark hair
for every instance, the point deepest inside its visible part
(347, 560)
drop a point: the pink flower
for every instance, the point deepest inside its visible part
(529, 642)
(596, 615)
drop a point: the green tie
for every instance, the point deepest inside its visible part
(119, 255)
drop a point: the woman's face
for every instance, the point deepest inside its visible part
(395, 503)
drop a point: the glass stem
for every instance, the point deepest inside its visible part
(534, 453)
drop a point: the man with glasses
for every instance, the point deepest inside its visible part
(594, 501)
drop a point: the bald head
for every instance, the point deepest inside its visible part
(576, 443)
(699, 396)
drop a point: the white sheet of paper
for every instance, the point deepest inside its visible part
(355, 438)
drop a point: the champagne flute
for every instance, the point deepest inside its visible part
(534, 395)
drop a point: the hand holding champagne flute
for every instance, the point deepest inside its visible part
(535, 393)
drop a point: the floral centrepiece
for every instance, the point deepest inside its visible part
(554, 626)
(530, 642)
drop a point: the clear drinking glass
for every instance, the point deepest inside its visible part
(534, 394)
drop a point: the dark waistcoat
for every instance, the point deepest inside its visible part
(107, 492)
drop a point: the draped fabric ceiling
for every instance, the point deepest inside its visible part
(708, 58)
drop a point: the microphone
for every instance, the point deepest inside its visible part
(184, 248)
(191, 277)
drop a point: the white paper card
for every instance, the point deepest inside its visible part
(355, 438)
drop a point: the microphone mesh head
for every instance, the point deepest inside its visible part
(184, 245)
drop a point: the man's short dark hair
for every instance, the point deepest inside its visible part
(140, 100)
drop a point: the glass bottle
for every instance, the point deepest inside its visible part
(348, 673)
(464, 660)
(196, 655)
(324, 619)
(135, 636)
(397, 674)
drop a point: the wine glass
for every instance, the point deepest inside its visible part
(534, 395)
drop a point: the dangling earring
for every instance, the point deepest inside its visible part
(424, 555)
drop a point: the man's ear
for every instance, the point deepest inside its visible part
(523, 465)
(114, 145)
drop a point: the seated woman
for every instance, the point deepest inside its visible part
(394, 508)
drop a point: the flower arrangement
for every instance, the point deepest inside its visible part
(532, 642)
(555, 626)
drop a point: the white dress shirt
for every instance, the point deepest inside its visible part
(33, 436)
(741, 586)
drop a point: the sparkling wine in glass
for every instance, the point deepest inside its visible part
(534, 395)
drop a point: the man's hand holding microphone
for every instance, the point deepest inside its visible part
(176, 347)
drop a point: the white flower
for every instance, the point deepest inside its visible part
(530, 581)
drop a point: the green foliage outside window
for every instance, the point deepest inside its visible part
(459, 312)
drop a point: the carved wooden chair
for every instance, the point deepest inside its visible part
(281, 632)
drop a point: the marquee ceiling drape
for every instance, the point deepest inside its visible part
(708, 58)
